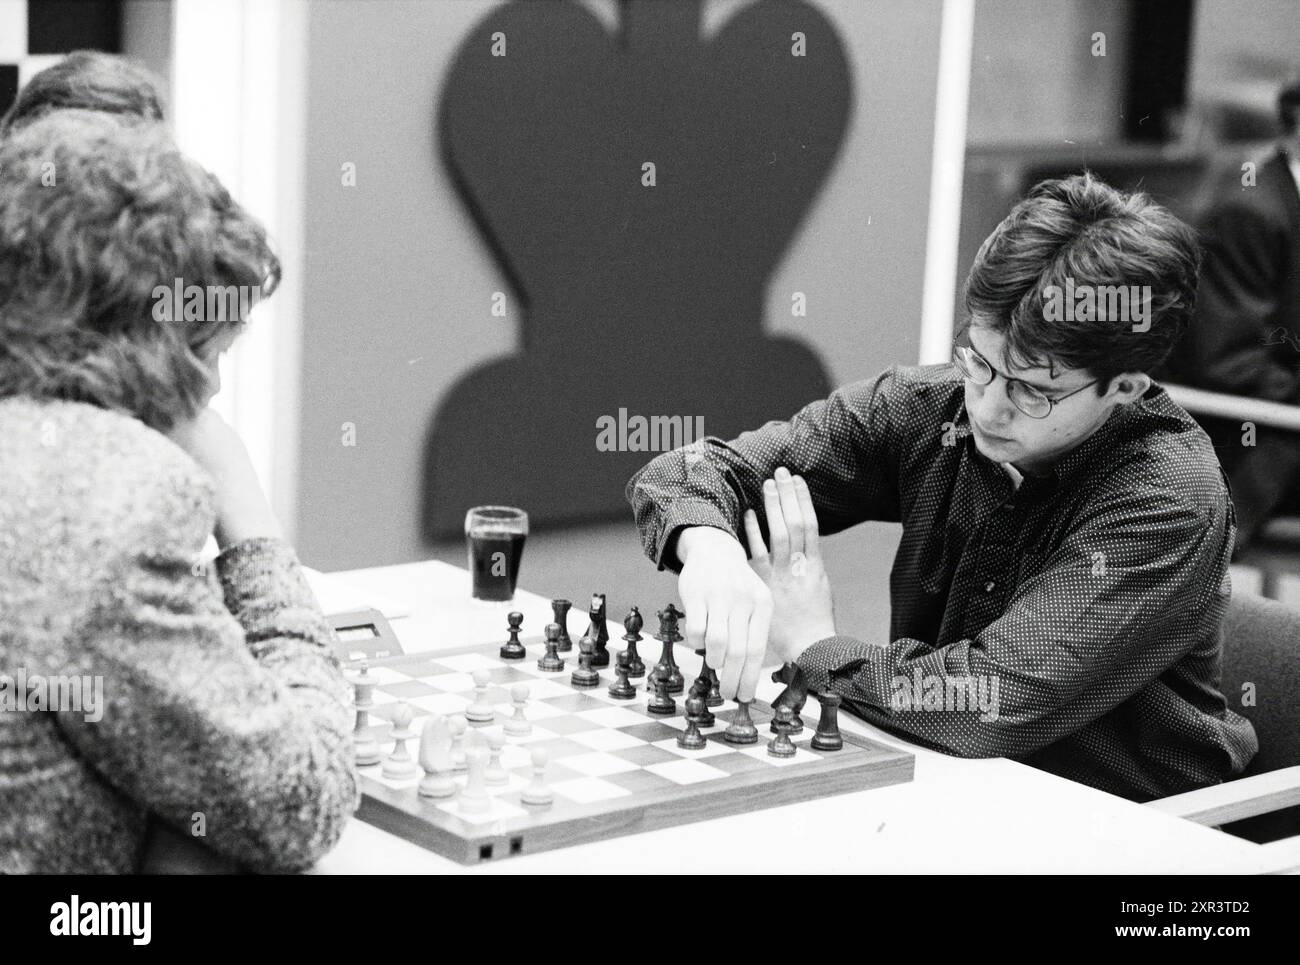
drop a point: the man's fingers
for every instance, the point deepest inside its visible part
(790, 509)
(697, 618)
(737, 658)
(754, 536)
(755, 650)
(717, 649)
(776, 528)
(811, 532)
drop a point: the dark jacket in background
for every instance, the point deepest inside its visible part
(1245, 339)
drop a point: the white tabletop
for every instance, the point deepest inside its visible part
(955, 815)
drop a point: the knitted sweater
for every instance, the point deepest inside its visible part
(224, 714)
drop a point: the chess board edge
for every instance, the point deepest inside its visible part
(401, 812)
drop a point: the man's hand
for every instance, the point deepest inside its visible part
(243, 511)
(802, 609)
(727, 608)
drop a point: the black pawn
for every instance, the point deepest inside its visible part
(599, 631)
(741, 729)
(700, 689)
(661, 703)
(796, 722)
(692, 739)
(621, 689)
(781, 745)
(512, 649)
(561, 610)
(828, 736)
(715, 690)
(632, 623)
(584, 676)
(551, 661)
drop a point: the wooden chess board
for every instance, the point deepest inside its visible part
(614, 767)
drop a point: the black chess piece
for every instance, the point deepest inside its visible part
(700, 688)
(621, 688)
(584, 675)
(599, 631)
(691, 739)
(715, 690)
(742, 729)
(794, 696)
(828, 736)
(632, 623)
(668, 636)
(551, 660)
(781, 745)
(560, 608)
(661, 703)
(512, 649)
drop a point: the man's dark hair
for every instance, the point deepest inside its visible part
(87, 80)
(1288, 106)
(1081, 230)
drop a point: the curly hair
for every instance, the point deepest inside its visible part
(87, 80)
(1079, 229)
(96, 213)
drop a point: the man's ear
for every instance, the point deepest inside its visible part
(1130, 386)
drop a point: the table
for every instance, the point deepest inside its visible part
(955, 816)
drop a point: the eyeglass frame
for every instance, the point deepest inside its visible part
(1051, 403)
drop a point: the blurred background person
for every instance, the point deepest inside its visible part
(1245, 338)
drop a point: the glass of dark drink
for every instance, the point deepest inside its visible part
(495, 536)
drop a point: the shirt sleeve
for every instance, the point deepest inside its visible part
(224, 707)
(1127, 588)
(843, 446)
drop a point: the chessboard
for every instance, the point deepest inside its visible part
(612, 767)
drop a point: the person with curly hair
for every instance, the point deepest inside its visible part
(88, 80)
(213, 704)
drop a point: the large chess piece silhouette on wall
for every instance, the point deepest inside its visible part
(645, 298)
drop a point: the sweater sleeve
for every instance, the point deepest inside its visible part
(224, 710)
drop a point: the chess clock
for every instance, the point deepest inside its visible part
(364, 635)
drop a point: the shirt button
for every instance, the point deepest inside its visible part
(988, 587)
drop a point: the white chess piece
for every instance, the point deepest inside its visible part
(519, 725)
(458, 727)
(496, 774)
(480, 712)
(537, 793)
(474, 799)
(398, 765)
(435, 759)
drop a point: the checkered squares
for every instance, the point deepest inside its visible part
(603, 754)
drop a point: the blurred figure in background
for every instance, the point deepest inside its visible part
(1245, 338)
(88, 80)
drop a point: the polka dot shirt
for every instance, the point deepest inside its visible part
(1071, 621)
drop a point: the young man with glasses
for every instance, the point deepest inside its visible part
(1066, 526)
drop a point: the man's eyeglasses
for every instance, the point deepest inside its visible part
(1024, 397)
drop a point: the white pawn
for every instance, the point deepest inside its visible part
(398, 765)
(474, 799)
(537, 793)
(496, 774)
(435, 759)
(519, 725)
(458, 727)
(480, 712)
